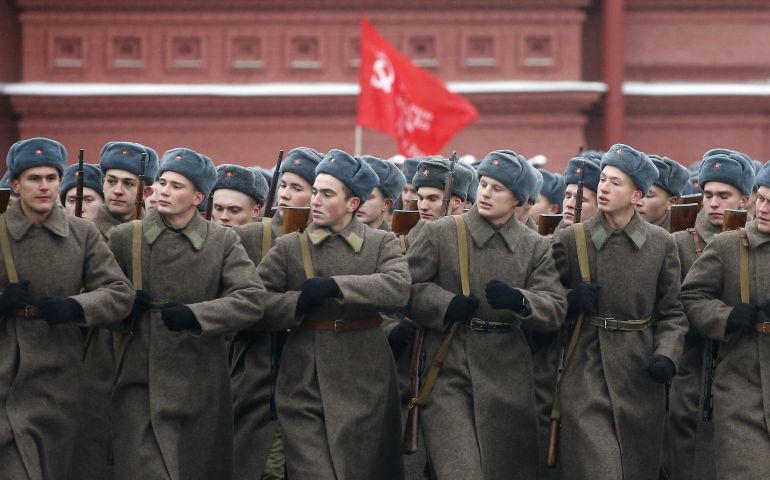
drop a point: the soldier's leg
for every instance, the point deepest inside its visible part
(684, 415)
(11, 465)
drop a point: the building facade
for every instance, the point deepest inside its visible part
(241, 79)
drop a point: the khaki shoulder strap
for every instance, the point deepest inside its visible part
(136, 255)
(307, 262)
(438, 359)
(582, 252)
(5, 245)
(267, 235)
(402, 239)
(744, 265)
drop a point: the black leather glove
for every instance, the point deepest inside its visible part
(460, 309)
(660, 368)
(56, 310)
(502, 296)
(402, 335)
(142, 303)
(583, 299)
(15, 295)
(314, 292)
(742, 317)
(178, 317)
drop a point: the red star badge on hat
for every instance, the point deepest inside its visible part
(178, 157)
(229, 173)
(496, 162)
(424, 173)
(618, 151)
(125, 152)
(332, 160)
(296, 161)
(38, 152)
(578, 170)
(717, 165)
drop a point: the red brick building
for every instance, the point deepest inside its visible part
(241, 79)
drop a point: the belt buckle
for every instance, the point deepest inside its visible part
(607, 324)
(765, 326)
(27, 311)
(478, 325)
(337, 329)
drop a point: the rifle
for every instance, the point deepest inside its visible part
(209, 207)
(295, 219)
(547, 223)
(732, 220)
(683, 216)
(5, 197)
(80, 183)
(696, 198)
(565, 334)
(139, 201)
(416, 366)
(269, 212)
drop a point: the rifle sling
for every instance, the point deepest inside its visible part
(5, 245)
(443, 349)
(743, 265)
(136, 278)
(585, 275)
(307, 261)
(267, 235)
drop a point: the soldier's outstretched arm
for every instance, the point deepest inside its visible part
(544, 292)
(670, 322)
(280, 302)
(702, 292)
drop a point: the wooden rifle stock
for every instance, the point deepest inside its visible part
(209, 207)
(412, 431)
(683, 217)
(80, 183)
(139, 201)
(268, 208)
(579, 194)
(295, 219)
(5, 198)
(403, 221)
(696, 198)
(547, 223)
(732, 220)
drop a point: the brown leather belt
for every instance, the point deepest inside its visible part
(30, 311)
(339, 326)
(762, 327)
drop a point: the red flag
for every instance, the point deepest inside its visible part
(405, 101)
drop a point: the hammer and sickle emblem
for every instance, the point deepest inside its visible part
(383, 74)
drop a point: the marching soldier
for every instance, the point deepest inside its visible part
(374, 211)
(478, 279)
(121, 164)
(172, 402)
(93, 195)
(472, 187)
(727, 297)
(256, 352)
(655, 207)
(337, 396)
(727, 179)
(44, 302)
(551, 195)
(629, 325)
(522, 211)
(409, 192)
(239, 195)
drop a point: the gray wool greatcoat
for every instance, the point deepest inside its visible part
(172, 403)
(613, 413)
(251, 375)
(742, 380)
(688, 451)
(337, 395)
(480, 420)
(41, 371)
(92, 445)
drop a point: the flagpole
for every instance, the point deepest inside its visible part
(358, 140)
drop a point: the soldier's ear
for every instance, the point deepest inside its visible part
(744, 202)
(388, 204)
(554, 208)
(198, 198)
(636, 197)
(352, 204)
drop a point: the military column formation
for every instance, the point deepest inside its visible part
(289, 333)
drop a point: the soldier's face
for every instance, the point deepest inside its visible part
(589, 206)
(654, 205)
(177, 195)
(294, 191)
(329, 205)
(91, 202)
(150, 198)
(38, 190)
(496, 203)
(429, 202)
(718, 196)
(233, 208)
(120, 192)
(762, 210)
(409, 193)
(374, 209)
(616, 191)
